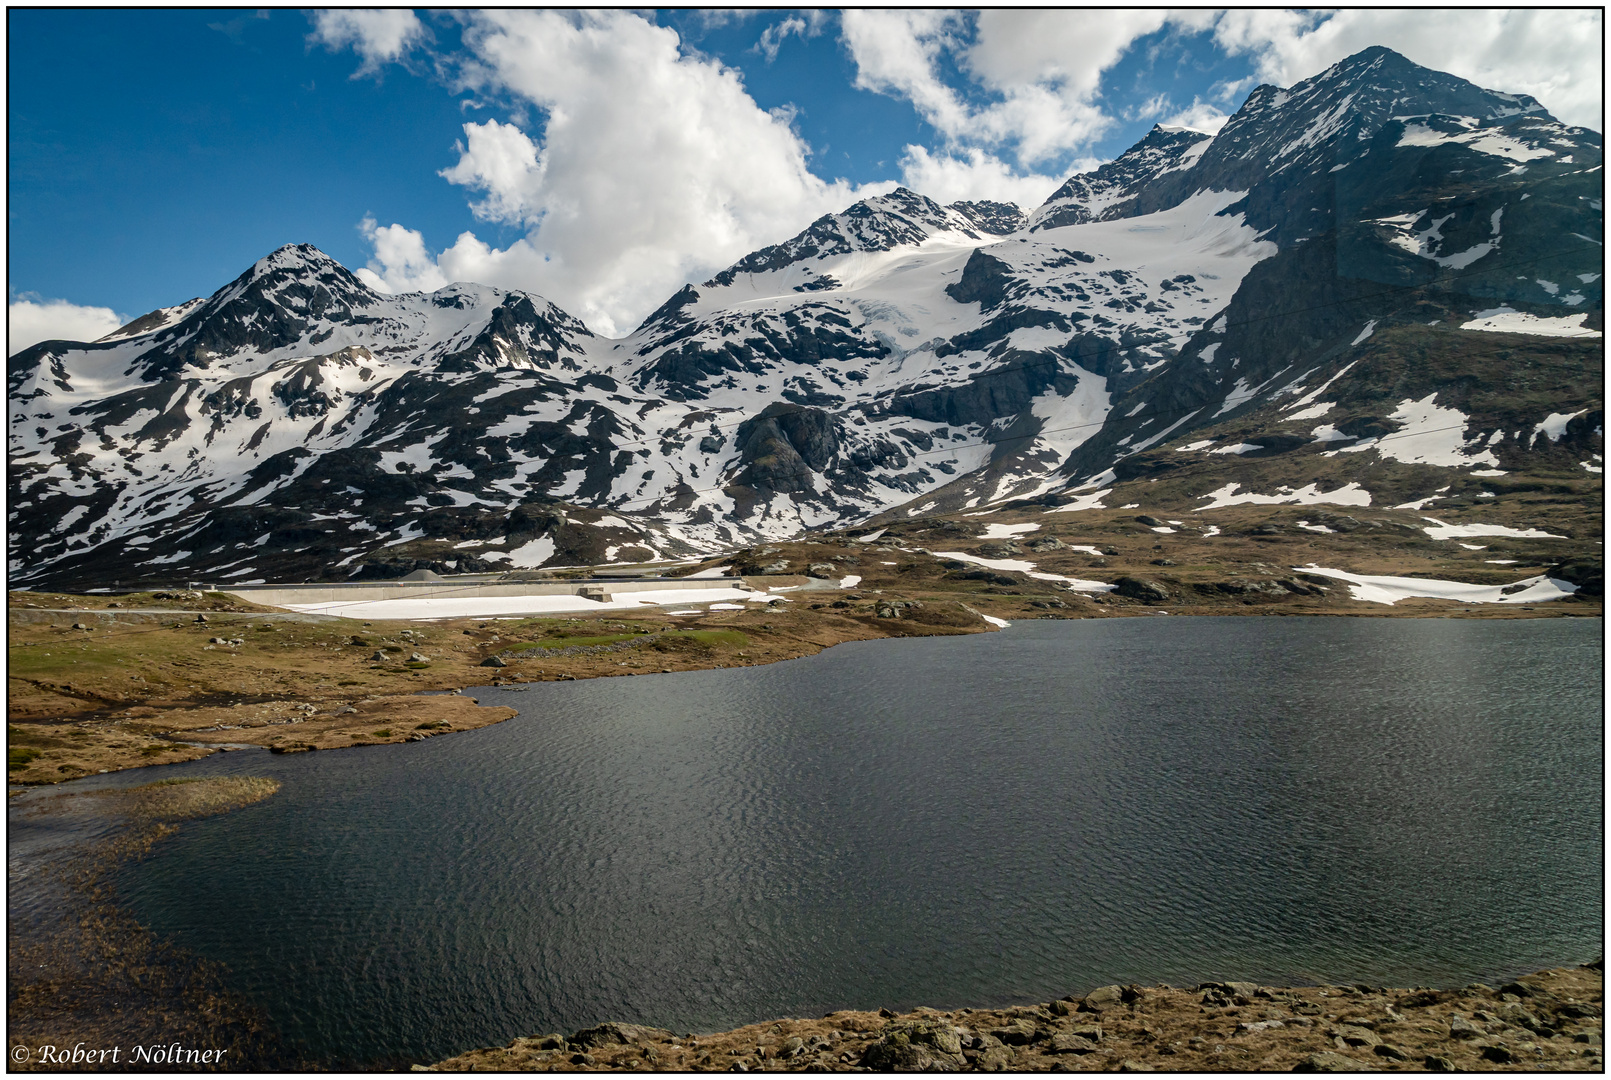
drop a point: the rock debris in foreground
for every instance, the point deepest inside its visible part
(1547, 1022)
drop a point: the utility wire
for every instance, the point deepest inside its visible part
(1072, 427)
(1391, 291)
(1182, 337)
(451, 591)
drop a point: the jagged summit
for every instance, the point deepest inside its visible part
(1385, 72)
(878, 224)
(1285, 146)
(291, 256)
(1108, 191)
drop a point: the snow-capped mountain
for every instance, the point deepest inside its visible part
(901, 355)
(1112, 190)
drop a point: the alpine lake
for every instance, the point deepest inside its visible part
(978, 820)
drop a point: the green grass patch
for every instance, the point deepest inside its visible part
(704, 637)
(31, 736)
(579, 640)
(711, 637)
(18, 757)
(383, 733)
(69, 658)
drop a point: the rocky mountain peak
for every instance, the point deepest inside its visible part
(1108, 191)
(1329, 114)
(879, 223)
(1285, 147)
(996, 218)
(1381, 73)
(293, 256)
(297, 275)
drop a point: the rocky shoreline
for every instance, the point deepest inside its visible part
(1550, 1021)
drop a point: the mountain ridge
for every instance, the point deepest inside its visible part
(900, 357)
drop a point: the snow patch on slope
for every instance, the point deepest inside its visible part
(1350, 494)
(1504, 320)
(1390, 590)
(1441, 530)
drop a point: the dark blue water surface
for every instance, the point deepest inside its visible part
(945, 821)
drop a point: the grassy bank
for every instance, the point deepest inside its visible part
(101, 683)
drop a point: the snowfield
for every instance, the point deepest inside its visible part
(1440, 530)
(1028, 569)
(1350, 494)
(478, 607)
(1504, 320)
(1390, 590)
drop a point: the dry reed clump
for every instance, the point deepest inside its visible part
(99, 978)
(182, 799)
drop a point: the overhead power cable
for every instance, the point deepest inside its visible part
(1182, 337)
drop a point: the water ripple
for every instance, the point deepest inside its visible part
(943, 821)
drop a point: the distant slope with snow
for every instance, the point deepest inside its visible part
(899, 358)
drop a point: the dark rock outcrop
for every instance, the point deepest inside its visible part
(782, 446)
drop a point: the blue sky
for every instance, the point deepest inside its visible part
(602, 160)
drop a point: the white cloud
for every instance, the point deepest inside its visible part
(377, 36)
(1042, 68)
(1199, 116)
(653, 167)
(1552, 54)
(718, 18)
(772, 37)
(401, 262)
(1232, 92)
(897, 52)
(807, 26)
(31, 321)
(1069, 49)
(973, 174)
(1156, 105)
(502, 161)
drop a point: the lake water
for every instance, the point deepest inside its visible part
(951, 821)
